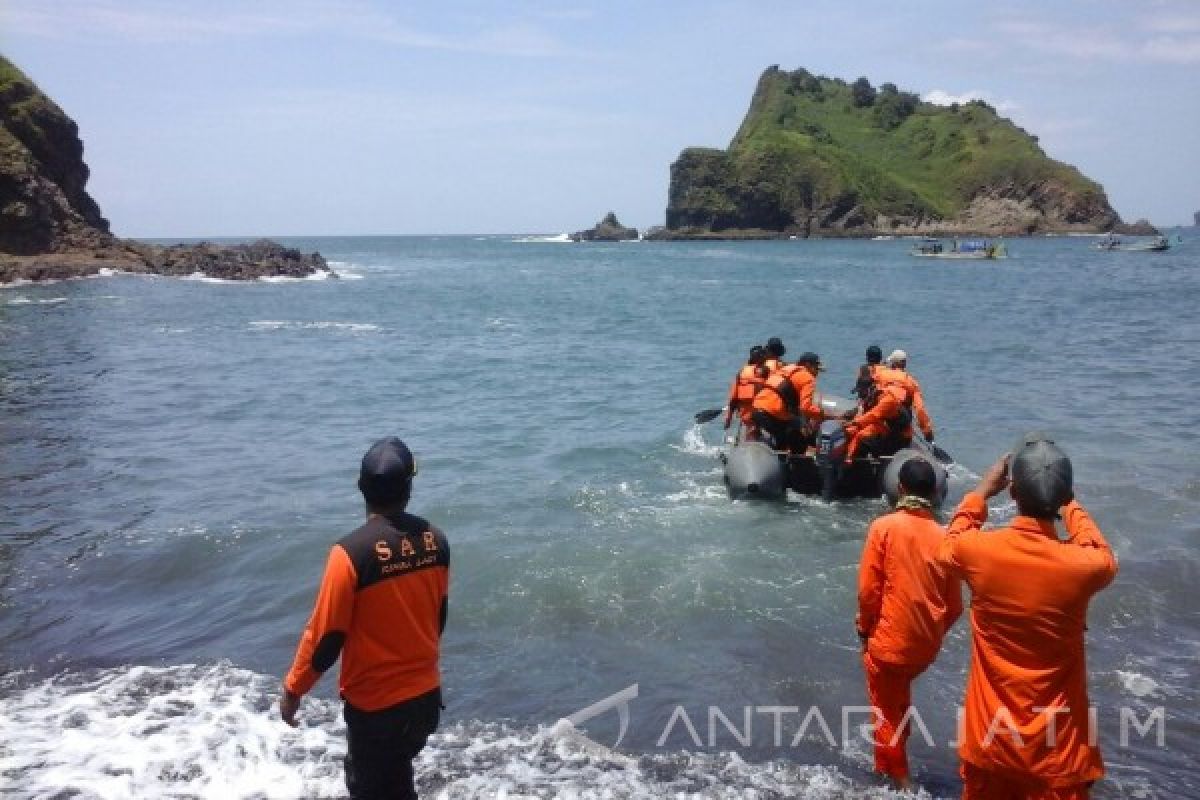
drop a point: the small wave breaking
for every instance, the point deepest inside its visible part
(213, 732)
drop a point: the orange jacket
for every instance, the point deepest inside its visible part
(382, 606)
(745, 386)
(906, 601)
(886, 375)
(789, 392)
(891, 402)
(1030, 594)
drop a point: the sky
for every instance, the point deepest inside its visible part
(343, 117)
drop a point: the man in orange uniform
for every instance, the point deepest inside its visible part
(897, 364)
(382, 607)
(885, 423)
(1026, 733)
(787, 401)
(746, 384)
(906, 603)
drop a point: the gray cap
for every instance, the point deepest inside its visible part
(1042, 480)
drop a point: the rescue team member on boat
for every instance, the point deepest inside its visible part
(381, 606)
(885, 422)
(906, 603)
(775, 352)
(746, 384)
(897, 366)
(786, 403)
(1026, 732)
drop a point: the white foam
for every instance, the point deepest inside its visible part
(281, 325)
(319, 275)
(22, 300)
(556, 239)
(1138, 685)
(214, 732)
(202, 278)
(204, 732)
(19, 282)
(694, 443)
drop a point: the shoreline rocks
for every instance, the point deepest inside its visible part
(240, 262)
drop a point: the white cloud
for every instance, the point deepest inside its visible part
(940, 97)
(85, 19)
(1166, 39)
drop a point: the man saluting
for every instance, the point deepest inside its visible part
(1027, 732)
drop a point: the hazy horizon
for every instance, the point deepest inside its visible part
(322, 118)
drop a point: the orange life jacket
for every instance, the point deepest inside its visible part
(747, 383)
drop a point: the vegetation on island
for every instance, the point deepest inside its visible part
(819, 155)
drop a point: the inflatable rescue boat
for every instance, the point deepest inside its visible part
(753, 469)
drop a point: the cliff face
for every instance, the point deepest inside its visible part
(51, 228)
(816, 156)
(44, 206)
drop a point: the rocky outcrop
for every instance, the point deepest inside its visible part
(1140, 228)
(606, 230)
(819, 157)
(51, 228)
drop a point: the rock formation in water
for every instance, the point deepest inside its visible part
(51, 228)
(816, 156)
(606, 230)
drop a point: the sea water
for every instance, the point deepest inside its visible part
(178, 456)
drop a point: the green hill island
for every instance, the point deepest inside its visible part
(817, 156)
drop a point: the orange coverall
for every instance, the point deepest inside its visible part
(906, 603)
(1026, 730)
(885, 375)
(891, 401)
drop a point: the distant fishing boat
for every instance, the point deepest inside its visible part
(970, 249)
(1112, 243)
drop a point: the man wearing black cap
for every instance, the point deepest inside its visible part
(786, 407)
(775, 352)
(382, 608)
(1026, 730)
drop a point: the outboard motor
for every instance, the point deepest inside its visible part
(891, 476)
(752, 469)
(831, 453)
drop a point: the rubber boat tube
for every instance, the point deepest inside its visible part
(752, 469)
(891, 476)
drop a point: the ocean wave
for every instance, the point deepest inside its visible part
(288, 325)
(319, 275)
(22, 300)
(556, 239)
(213, 732)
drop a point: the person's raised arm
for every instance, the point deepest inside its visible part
(1083, 533)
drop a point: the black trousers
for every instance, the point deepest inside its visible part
(791, 434)
(382, 746)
